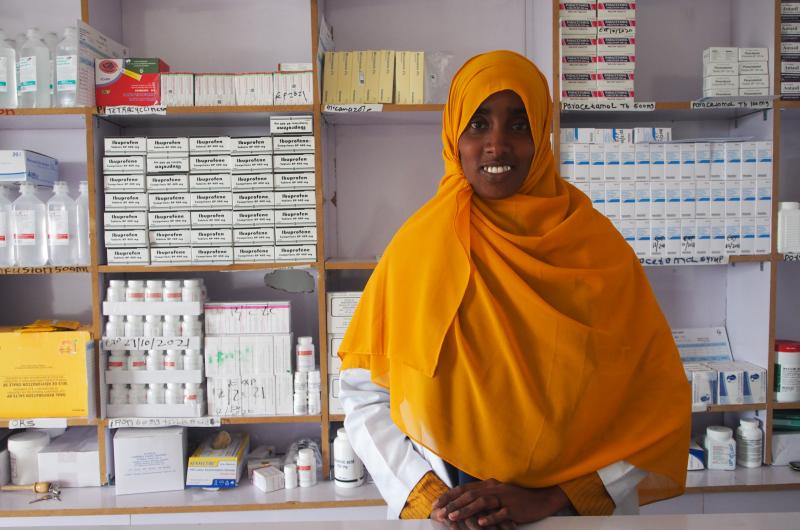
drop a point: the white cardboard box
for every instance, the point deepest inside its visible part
(123, 182)
(125, 146)
(168, 220)
(256, 254)
(253, 218)
(72, 459)
(128, 256)
(252, 182)
(149, 460)
(124, 220)
(210, 182)
(167, 183)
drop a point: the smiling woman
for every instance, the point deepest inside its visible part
(508, 360)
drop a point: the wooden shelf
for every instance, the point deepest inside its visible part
(237, 109)
(245, 497)
(736, 408)
(71, 422)
(204, 268)
(786, 405)
(57, 111)
(51, 118)
(346, 264)
(336, 417)
(764, 478)
(664, 111)
(6, 271)
(751, 258)
(239, 116)
(243, 420)
(390, 115)
(789, 104)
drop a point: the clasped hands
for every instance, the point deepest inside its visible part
(490, 504)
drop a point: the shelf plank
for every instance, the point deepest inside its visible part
(391, 114)
(241, 109)
(50, 118)
(204, 268)
(764, 478)
(736, 408)
(244, 116)
(245, 497)
(43, 270)
(789, 104)
(347, 263)
(71, 422)
(751, 258)
(57, 111)
(786, 405)
(336, 417)
(242, 420)
(664, 111)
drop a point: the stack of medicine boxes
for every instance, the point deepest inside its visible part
(341, 306)
(673, 200)
(598, 50)
(790, 50)
(735, 72)
(212, 200)
(248, 358)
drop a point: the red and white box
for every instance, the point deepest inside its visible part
(129, 81)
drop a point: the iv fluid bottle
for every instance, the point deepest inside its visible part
(67, 69)
(34, 72)
(28, 227)
(83, 251)
(6, 245)
(51, 39)
(8, 74)
(61, 226)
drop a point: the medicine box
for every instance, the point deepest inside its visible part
(222, 255)
(253, 200)
(236, 318)
(72, 460)
(268, 478)
(210, 145)
(211, 237)
(295, 234)
(167, 165)
(125, 238)
(159, 183)
(125, 146)
(254, 254)
(293, 144)
(168, 220)
(334, 405)
(720, 54)
(171, 255)
(59, 384)
(128, 256)
(218, 468)
(210, 163)
(123, 164)
(252, 163)
(169, 238)
(295, 181)
(212, 219)
(254, 236)
(124, 220)
(177, 89)
(115, 183)
(294, 162)
(210, 182)
(296, 253)
(341, 307)
(297, 199)
(149, 460)
(247, 218)
(130, 81)
(168, 147)
(168, 201)
(279, 125)
(212, 200)
(152, 308)
(126, 201)
(251, 145)
(263, 181)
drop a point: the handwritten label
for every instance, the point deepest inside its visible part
(149, 343)
(42, 270)
(372, 107)
(609, 106)
(132, 110)
(40, 423)
(8, 112)
(791, 256)
(208, 421)
(717, 104)
(690, 260)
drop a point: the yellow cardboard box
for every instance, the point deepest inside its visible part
(47, 375)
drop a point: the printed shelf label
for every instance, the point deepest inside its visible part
(207, 421)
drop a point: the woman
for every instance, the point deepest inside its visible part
(508, 360)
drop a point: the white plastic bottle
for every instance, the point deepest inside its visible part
(153, 326)
(789, 227)
(8, 73)
(156, 393)
(749, 443)
(118, 394)
(173, 360)
(305, 354)
(154, 360)
(83, 249)
(28, 228)
(174, 394)
(137, 360)
(34, 72)
(6, 245)
(306, 467)
(348, 470)
(720, 448)
(61, 222)
(67, 68)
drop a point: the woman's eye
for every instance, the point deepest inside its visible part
(476, 124)
(521, 126)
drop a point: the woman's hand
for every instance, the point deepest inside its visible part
(492, 504)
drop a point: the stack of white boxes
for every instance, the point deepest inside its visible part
(598, 50)
(790, 50)
(735, 72)
(672, 200)
(212, 200)
(341, 307)
(248, 358)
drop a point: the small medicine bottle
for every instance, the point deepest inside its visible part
(749, 443)
(154, 360)
(314, 403)
(720, 448)
(118, 394)
(190, 393)
(305, 354)
(300, 403)
(301, 381)
(137, 394)
(137, 360)
(134, 326)
(172, 326)
(173, 360)
(116, 361)
(115, 291)
(153, 326)
(115, 326)
(191, 326)
(154, 292)
(192, 290)
(192, 360)
(172, 291)
(348, 470)
(306, 468)
(174, 394)
(156, 394)
(134, 292)
(290, 476)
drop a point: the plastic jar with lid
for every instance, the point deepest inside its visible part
(137, 360)
(117, 361)
(23, 450)
(720, 448)
(153, 327)
(306, 468)
(787, 370)
(137, 394)
(172, 326)
(173, 360)
(192, 290)
(173, 394)
(118, 394)
(300, 403)
(301, 381)
(191, 326)
(314, 403)
(134, 326)
(154, 360)
(156, 393)
(305, 354)
(115, 326)
(192, 360)
(115, 291)
(190, 394)
(134, 292)
(290, 476)
(749, 443)
(348, 470)
(154, 291)
(172, 291)
(789, 227)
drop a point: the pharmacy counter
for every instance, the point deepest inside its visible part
(756, 521)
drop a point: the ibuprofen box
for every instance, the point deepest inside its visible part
(171, 255)
(126, 201)
(213, 255)
(170, 238)
(123, 164)
(253, 200)
(255, 254)
(250, 145)
(212, 219)
(168, 147)
(253, 218)
(290, 235)
(131, 81)
(252, 181)
(166, 183)
(128, 256)
(279, 125)
(210, 182)
(114, 183)
(212, 200)
(167, 165)
(168, 220)
(296, 253)
(209, 145)
(296, 217)
(125, 238)
(125, 146)
(293, 144)
(254, 236)
(124, 220)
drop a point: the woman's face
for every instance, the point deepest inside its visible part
(496, 148)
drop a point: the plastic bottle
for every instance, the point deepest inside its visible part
(173, 360)
(134, 326)
(290, 476)
(28, 228)
(172, 326)
(156, 394)
(8, 73)
(137, 394)
(172, 291)
(305, 354)
(61, 220)
(191, 326)
(118, 394)
(789, 227)
(348, 470)
(173, 394)
(153, 326)
(115, 326)
(154, 292)
(154, 360)
(83, 249)
(192, 291)
(134, 291)
(67, 68)
(116, 361)
(190, 394)
(314, 396)
(192, 360)
(6, 245)
(34, 72)
(137, 360)
(115, 291)
(306, 467)
(51, 39)
(749, 443)
(720, 448)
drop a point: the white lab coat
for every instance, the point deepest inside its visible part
(397, 463)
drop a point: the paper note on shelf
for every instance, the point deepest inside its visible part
(205, 421)
(38, 423)
(133, 110)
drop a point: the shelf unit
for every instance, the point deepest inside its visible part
(367, 183)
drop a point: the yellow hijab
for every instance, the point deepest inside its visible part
(519, 337)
